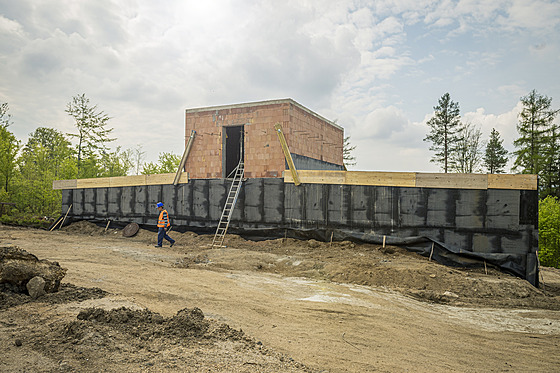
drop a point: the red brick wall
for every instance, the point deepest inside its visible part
(305, 133)
(312, 137)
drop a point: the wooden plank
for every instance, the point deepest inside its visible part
(184, 179)
(401, 179)
(99, 182)
(317, 177)
(158, 179)
(65, 184)
(454, 181)
(121, 181)
(354, 178)
(181, 168)
(508, 181)
(287, 154)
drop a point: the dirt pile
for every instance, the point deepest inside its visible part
(18, 268)
(122, 339)
(187, 324)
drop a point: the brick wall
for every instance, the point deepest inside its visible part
(312, 137)
(306, 133)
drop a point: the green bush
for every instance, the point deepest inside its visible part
(549, 232)
(26, 221)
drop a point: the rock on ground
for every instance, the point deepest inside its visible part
(18, 267)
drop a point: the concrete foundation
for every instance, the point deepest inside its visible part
(480, 221)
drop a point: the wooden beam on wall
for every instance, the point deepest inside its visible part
(65, 184)
(184, 158)
(403, 179)
(120, 181)
(287, 154)
(453, 181)
(510, 181)
(417, 179)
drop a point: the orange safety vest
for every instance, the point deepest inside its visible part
(163, 220)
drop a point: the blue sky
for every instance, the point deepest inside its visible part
(376, 67)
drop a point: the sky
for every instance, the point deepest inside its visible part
(376, 68)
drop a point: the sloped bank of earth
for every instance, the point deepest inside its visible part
(362, 264)
(372, 265)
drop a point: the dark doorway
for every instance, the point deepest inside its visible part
(232, 150)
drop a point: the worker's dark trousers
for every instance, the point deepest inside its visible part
(161, 234)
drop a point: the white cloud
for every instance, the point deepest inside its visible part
(538, 14)
(378, 66)
(504, 123)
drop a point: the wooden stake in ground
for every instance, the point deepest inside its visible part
(539, 266)
(65, 216)
(431, 252)
(107, 226)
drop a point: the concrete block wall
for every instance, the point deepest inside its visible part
(493, 220)
(307, 135)
(490, 221)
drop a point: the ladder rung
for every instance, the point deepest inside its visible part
(229, 205)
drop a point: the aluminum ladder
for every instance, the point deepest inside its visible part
(223, 225)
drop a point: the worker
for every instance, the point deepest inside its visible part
(163, 226)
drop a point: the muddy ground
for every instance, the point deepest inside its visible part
(269, 306)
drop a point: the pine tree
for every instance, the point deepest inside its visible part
(495, 157)
(445, 126)
(534, 125)
(538, 143)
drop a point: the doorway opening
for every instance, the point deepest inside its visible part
(232, 148)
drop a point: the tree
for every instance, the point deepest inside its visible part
(347, 149)
(53, 147)
(468, 153)
(495, 156)
(92, 134)
(538, 142)
(445, 126)
(9, 147)
(167, 162)
(47, 156)
(549, 231)
(138, 158)
(5, 118)
(549, 183)
(116, 163)
(535, 120)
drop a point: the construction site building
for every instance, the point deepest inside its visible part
(230, 133)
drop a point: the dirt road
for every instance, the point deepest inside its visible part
(338, 307)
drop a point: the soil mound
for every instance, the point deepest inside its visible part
(187, 324)
(66, 293)
(18, 267)
(47, 337)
